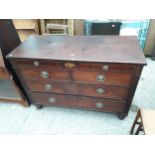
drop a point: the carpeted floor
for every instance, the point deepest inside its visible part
(14, 119)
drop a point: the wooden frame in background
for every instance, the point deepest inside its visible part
(5, 75)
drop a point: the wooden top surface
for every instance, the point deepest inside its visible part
(113, 49)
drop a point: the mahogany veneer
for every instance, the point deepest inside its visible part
(88, 72)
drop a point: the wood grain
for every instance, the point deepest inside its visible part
(110, 78)
(111, 49)
(78, 102)
(62, 87)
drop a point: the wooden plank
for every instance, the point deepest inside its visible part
(42, 26)
(28, 24)
(70, 27)
(26, 27)
(78, 27)
(150, 40)
(44, 22)
(56, 21)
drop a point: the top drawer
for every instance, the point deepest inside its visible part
(37, 63)
(70, 65)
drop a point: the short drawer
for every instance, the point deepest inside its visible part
(98, 104)
(44, 73)
(106, 67)
(110, 78)
(94, 90)
(37, 63)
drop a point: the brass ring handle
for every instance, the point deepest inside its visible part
(100, 78)
(52, 100)
(99, 105)
(100, 90)
(36, 63)
(48, 86)
(105, 67)
(44, 74)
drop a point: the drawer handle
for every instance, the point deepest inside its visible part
(48, 87)
(99, 105)
(105, 67)
(100, 78)
(51, 100)
(44, 74)
(69, 65)
(100, 90)
(36, 63)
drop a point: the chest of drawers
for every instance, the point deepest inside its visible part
(88, 72)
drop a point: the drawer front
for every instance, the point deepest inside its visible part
(103, 78)
(44, 74)
(94, 90)
(37, 63)
(98, 104)
(106, 67)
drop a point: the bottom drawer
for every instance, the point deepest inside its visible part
(83, 102)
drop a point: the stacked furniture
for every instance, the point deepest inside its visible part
(88, 72)
(57, 26)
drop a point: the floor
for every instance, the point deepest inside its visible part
(6, 86)
(14, 119)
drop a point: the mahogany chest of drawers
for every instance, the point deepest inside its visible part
(88, 72)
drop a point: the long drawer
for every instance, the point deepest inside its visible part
(74, 101)
(108, 78)
(94, 90)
